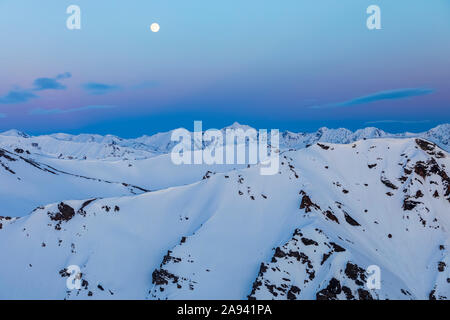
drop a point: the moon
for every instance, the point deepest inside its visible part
(154, 27)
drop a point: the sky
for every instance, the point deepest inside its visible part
(293, 65)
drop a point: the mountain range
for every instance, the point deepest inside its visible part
(93, 146)
(140, 227)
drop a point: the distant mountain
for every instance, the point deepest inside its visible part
(14, 133)
(109, 147)
(65, 146)
(439, 135)
(309, 232)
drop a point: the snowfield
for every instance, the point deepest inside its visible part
(27, 184)
(308, 232)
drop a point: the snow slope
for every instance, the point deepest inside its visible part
(155, 173)
(26, 184)
(28, 181)
(308, 232)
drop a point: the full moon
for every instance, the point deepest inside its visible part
(154, 27)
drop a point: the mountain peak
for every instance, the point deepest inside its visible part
(15, 133)
(237, 125)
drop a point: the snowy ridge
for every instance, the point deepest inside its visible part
(109, 147)
(73, 147)
(308, 232)
(26, 184)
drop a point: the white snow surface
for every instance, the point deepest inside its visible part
(308, 232)
(109, 147)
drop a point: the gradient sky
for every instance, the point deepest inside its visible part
(292, 64)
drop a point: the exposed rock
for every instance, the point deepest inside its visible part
(307, 204)
(331, 216)
(388, 183)
(408, 204)
(65, 213)
(324, 147)
(350, 220)
(331, 291)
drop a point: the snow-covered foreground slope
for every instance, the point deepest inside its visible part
(156, 173)
(308, 232)
(26, 184)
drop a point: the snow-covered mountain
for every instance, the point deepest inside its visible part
(64, 146)
(109, 147)
(309, 232)
(439, 135)
(26, 184)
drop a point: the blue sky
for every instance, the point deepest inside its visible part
(295, 64)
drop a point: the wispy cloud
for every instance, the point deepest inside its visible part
(47, 84)
(41, 111)
(18, 95)
(397, 121)
(65, 75)
(2, 115)
(379, 96)
(51, 83)
(99, 88)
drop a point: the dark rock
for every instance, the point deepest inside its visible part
(331, 291)
(421, 169)
(162, 277)
(425, 145)
(355, 273)
(337, 247)
(419, 194)
(308, 242)
(307, 204)
(324, 147)
(348, 293)
(279, 253)
(388, 183)
(331, 216)
(364, 294)
(408, 204)
(292, 293)
(65, 213)
(325, 257)
(350, 220)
